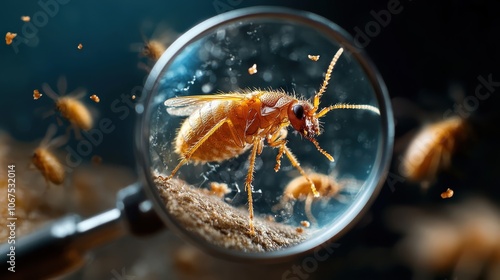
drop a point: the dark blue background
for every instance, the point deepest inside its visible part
(424, 47)
(423, 50)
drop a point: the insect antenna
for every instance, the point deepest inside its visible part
(347, 106)
(328, 75)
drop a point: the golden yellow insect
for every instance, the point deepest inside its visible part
(25, 18)
(70, 107)
(153, 49)
(46, 162)
(300, 189)
(155, 46)
(223, 126)
(80, 46)
(432, 148)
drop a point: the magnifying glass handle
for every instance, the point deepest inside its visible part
(138, 211)
(61, 246)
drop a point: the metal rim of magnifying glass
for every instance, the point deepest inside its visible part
(332, 31)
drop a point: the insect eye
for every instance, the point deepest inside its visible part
(298, 111)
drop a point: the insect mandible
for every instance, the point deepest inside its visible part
(223, 126)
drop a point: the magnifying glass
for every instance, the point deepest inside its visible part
(229, 154)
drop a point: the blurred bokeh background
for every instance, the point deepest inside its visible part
(438, 58)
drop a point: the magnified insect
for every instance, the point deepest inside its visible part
(70, 107)
(300, 189)
(223, 126)
(45, 161)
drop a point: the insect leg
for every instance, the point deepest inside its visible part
(78, 133)
(296, 164)
(278, 140)
(248, 182)
(307, 208)
(278, 157)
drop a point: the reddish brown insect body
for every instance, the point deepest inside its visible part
(223, 126)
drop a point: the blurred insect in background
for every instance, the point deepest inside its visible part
(44, 159)
(155, 46)
(431, 150)
(70, 107)
(218, 189)
(300, 189)
(428, 150)
(223, 126)
(460, 240)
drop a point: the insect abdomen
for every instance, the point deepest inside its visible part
(75, 112)
(219, 146)
(49, 166)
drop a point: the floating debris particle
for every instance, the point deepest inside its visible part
(313, 57)
(447, 194)
(95, 98)
(305, 224)
(96, 160)
(36, 94)
(252, 70)
(9, 37)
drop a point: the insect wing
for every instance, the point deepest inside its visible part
(186, 105)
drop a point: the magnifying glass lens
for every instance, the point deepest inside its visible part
(236, 106)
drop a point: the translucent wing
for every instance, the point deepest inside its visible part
(186, 105)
